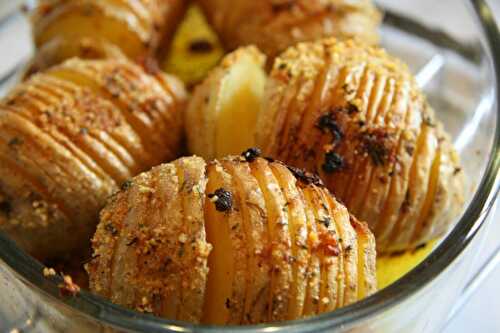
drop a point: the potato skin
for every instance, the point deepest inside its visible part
(355, 116)
(248, 213)
(274, 25)
(137, 29)
(66, 148)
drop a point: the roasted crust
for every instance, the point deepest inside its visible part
(274, 244)
(354, 115)
(275, 25)
(70, 147)
(100, 29)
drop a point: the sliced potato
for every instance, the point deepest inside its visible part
(276, 25)
(274, 244)
(221, 116)
(355, 115)
(75, 144)
(226, 286)
(102, 29)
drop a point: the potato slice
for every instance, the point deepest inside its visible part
(192, 182)
(252, 204)
(221, 116)
(280, 250)
(332, 256)
(228, 277)
(294, 206)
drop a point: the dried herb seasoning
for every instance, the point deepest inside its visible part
(5, 208)
(306, 177)
(200, 46)
(126, 185)
(333, 162)
(327, 122)
(222, 199)
(251, 154)
(377, 144)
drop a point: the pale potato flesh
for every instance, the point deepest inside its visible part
(274, 244)
(223, 111)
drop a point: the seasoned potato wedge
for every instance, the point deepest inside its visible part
(222, 113)
(274, 25)
(102, 28)
(252, 229)
(71, 136)
(354, 115)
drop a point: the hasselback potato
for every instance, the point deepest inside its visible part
(239, 240)
(355, 115)
(102, 29)
(70, 136)
(226, 102)
(274, 25)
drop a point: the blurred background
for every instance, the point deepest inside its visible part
(482, 311)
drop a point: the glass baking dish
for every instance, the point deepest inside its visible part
(458, 67)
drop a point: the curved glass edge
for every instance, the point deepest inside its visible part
(98, 309)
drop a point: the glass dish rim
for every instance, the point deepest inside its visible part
(100, 310)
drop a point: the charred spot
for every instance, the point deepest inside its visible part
(200, 46)
(377, 144)
(279, 6)
(333, 162)
(222, 199)
(132, 241)
(410, 149)
(282, 66)
(351, 108)
(327, 122)
(306, 177)
(126, 185)
(457, 170)
(111, 229)
(269, 159)
(326, 221)
(251, 154)
(427, 120)
(15, 142)
(228, 303)
(347, 89)
(5, 208)
(405, 206)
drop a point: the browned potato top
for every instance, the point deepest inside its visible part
(355, 115)
(274, 25)
(241, 240)
(89, 29)
(70, 136)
